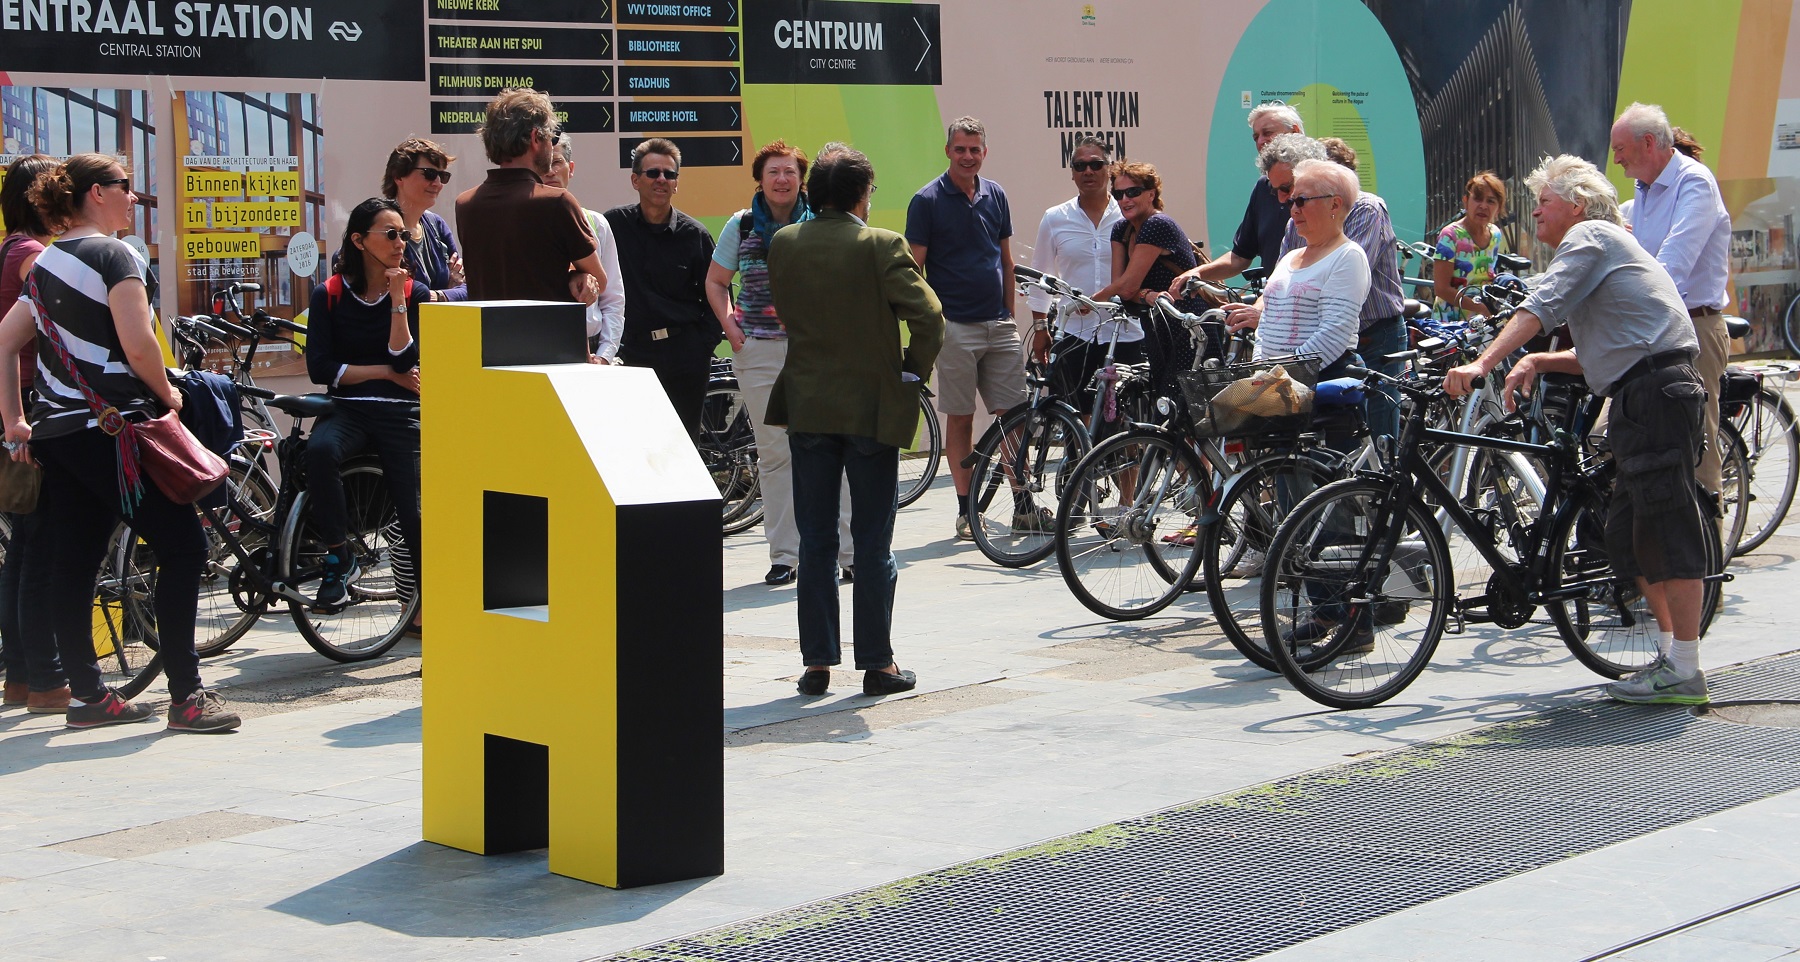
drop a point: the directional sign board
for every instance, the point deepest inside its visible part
(839, 42)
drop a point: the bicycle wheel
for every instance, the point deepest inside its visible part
(1790, 326)
(1016, 484)
(125, 644)
(919, 464)
(1128, 522)
(1235, 545)
(1370, 625)
(1773, 445)
(727, 447)
(380, 606)
(225, 610)
(1610, 628)
(1734, 488)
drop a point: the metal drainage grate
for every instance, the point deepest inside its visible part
(1245, 874)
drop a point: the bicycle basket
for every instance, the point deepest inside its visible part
(1272, 396)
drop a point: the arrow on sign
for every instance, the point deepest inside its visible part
(734, 117)
(605, 81)
(927, 52)
(605, 45)
(340, 30)
(732, 37)
(736, 154)
(733, 81)
(605, 11)
(606, 110)
(733, 8)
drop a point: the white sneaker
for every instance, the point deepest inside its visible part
(1250, 565)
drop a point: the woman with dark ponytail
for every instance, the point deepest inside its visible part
(99, 368)
(34, 675)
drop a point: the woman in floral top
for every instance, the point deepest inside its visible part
(1467, 249)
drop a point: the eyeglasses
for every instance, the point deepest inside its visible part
(433, 174)
(1301, 200)
(659, 173)
(395, 233)
(1087, 165)
(120, 182)
(1128, 192)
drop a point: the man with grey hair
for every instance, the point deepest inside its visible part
(1637, 347)
(1680, 218)
(960, 228)
(606, 315)
(1266, 216)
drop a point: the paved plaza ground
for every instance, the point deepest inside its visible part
(298, 838)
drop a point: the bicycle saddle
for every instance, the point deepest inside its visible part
(303, 405)
(1343, 390)
(1413, 309)
(1736, 327)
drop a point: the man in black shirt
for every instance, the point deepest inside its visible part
(1266, 216)
(663, 255)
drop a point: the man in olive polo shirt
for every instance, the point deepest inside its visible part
(960, 229)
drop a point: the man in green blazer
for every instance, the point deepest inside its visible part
(849, 396)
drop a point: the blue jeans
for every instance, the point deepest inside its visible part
(1384, 337)
(820, 465)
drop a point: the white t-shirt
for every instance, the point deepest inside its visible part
(1313, 310)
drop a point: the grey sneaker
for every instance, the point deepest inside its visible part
(203, 712)
(1038, 521)
(1660, 686)
(111, 710)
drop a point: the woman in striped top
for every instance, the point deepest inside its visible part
(99, 364)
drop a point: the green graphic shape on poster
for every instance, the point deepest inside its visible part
(1681, 62)
(899, 127)
(1334, 63)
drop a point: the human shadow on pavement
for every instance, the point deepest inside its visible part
(427, 890)
(400, 728)
(24, 751)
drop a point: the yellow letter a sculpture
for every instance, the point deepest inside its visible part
(575, 689)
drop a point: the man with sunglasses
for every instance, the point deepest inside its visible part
(664, 255)
(523, 239)
(1074, 242)
(960, 229)
(1266, 216)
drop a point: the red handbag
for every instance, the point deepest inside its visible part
(183, 469)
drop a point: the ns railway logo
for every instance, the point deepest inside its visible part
(838, 42)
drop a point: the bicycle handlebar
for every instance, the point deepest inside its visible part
(257, 392)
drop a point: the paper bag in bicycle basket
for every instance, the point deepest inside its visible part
(1244, 400)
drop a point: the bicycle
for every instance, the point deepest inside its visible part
(1369, 555)
(1759, 413)
(727, 446)
(1028, 450)
(279, 555)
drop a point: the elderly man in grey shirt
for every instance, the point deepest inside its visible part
(1636, 346)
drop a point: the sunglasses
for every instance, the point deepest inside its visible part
(658, 173)
(1286, 188)
(1301, 200)
(1128, 192)
(1088, 165)
(123, 182)
(394, 233)
(433, 174)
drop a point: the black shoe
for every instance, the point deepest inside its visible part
(780, 575)
(884, 683)
(847, 574)
(814, 682)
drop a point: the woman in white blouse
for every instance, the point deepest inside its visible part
(1312, 299)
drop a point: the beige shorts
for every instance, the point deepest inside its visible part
(984, 356)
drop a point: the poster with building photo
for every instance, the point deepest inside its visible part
(62, 121)
(250, 199)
